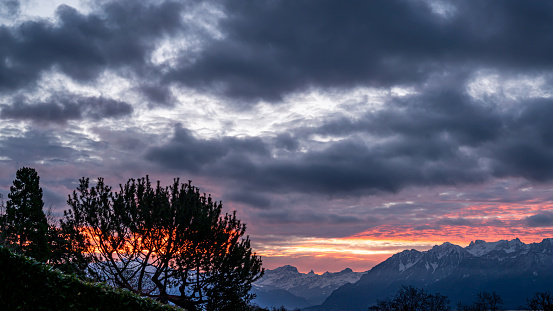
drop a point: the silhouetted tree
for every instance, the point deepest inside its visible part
(169, 243)
(409, 298)
(26, 227)
(484, 301)
(68, 248)
(540, 301)
(489, 301)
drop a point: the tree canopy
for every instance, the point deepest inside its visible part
(25, 223)
(485, 301)
(409, 298)
(170, 243)
(540, 301)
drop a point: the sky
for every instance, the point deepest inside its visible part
(341, 132)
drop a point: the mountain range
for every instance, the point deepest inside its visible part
(512, 269)
(286, 286)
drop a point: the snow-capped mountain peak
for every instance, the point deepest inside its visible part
(286, 269)
(445, 249)
(287, 277)
(513, 269)
(480, 248)
(287, 281)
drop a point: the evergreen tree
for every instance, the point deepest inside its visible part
(67, 249)
(26, 225)
(169, 243)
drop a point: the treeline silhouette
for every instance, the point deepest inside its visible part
(410, 298)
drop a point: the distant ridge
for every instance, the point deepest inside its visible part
(513, 269)
(286, 286)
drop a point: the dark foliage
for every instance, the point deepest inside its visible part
(540, 301)
(25, 224)
(67, 249)
(484, 301)
(26, 284)
(169, 243)
(409, 298)
(26, 229)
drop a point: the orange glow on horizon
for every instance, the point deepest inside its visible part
(478, 221)
(364, 251)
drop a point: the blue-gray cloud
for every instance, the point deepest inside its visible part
(188, 153)
(62, 108)
(118, 36)
(9, 8)
(273, 48)
(438, 135)
(543, 219)
(34, 146)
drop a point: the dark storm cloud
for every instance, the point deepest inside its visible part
(273, 48)
(287, 142)
(427, 121)
(305, 217)
(253, 199)
(305, 221)
(437, 137)
(349, 166)
(270, 49)
(130, 140)
(544, 219)
(62, 108)
(34, 146)
(9, 8)
(121, 34)
(188, 153)
(434, 127)
(422, 135)
(277, 47)
(526, 150)
(343, 167)
(157, 94)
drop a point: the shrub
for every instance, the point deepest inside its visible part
(26, 284)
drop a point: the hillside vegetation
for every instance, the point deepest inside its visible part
(26, 284)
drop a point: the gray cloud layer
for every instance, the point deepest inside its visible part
(62, 108)
(273, 48)
(270, 49)
(438, 135)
